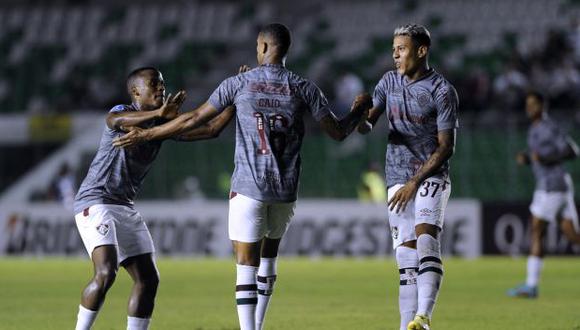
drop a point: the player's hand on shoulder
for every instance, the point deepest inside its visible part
(170, 107)
(244, 68)
(134, 136)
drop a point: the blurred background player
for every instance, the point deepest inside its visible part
(372, 186)
(548, 149)
(421, 110)
(112, 231)
(271, 102)
(64, 186)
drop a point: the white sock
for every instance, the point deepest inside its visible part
(408, 263)
(85, 318)
(265, 281)
(535, 265)
(246, 296)
(430, 273)
(137, 323)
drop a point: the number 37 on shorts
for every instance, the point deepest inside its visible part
(429, 203)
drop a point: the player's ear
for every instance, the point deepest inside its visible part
(264, 47)
(422, 51)
(134, 91)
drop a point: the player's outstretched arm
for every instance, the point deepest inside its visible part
(340, 129)
(121, 120)
(185, 122)
(446, 148)
(198, 129)
(210, 130)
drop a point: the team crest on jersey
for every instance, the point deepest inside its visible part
(103, 229)
(395, 232)
(423, 98)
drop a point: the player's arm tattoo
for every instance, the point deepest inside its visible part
(210, 130)
(444, 151)
(340, 129)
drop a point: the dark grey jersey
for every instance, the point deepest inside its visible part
(116, 174)
(271, 102)
(547, 140)
(416, 112)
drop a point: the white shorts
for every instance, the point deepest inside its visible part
(251, 220)
(427, 207)
(549, 206)
(122, 226)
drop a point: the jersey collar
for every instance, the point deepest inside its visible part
(273, 65)
(427, 74)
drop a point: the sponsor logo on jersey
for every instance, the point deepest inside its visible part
(395, 232)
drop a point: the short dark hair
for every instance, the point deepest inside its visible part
(538, 96)
(281, 35)
(418, 33)
(136, 74)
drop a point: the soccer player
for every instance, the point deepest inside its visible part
(548, 149)
(271, 102)
(112, 231)
(421, 111)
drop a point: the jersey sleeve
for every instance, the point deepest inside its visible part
(315, 100)
(559, 140)
(447, 103)
(119, 108)
(380, 94)
(225, 94)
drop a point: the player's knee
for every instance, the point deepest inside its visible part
(148, 283)
(538, 229)
(428, 229)
(406, 257)
(248, 257)
(428, 245)
(105, 277)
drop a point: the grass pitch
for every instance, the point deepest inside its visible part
(310, 294)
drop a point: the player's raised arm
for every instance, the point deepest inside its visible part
(185, 122)
(210, 130)
(220, 99)
(378, 107)
(340, 129)
(119, 120)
